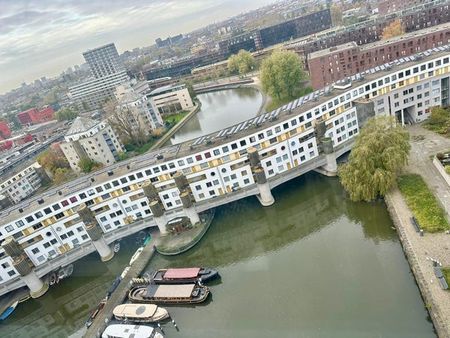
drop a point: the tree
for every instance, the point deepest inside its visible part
(336, 15)
(87, 165)
(62, 175)
(66, 114)
(128, 123)
(395, 28)
(53, 159)
(241, 63)
(282, 75)
(380, 151)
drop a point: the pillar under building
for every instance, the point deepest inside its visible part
(95, 232)
(25, 268)
(265, 194)
(186, 197)
(331, 168)
(189, 207)
(157, 209)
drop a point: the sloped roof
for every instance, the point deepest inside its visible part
(80, 125)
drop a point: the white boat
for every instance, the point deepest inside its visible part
(131, 331)
(140, 313)
(136, 255)
(116, 247)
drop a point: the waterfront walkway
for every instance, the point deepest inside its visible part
(419, 250)
(120, 294)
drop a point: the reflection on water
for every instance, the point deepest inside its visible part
(220, 110)
(312, 265)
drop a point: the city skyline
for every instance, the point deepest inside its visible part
(45, 38)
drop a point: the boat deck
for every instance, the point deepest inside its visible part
(120, 294)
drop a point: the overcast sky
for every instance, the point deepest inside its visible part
(44, 37)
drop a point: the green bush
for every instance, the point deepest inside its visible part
(446, 273)
(447, 169)
(423, 203)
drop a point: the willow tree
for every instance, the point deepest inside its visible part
(380, 151)
(282, 75)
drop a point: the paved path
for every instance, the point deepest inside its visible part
(419, 250)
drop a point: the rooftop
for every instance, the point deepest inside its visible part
(380, 43)
(164, 89)
(80, 125)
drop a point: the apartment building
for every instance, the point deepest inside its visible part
(107, 73)
(217, 165)
(333, 64)
(137, 108)
(91, 139)
(23, 183)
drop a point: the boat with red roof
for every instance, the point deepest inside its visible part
(184, 275)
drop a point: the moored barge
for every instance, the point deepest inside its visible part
(184, 275)
(169, 294)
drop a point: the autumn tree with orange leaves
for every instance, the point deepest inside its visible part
(395, 28)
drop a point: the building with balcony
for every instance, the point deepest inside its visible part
(91, 139)
(335, 63)
(219, 167)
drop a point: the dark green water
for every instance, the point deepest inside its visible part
(220, 110)
(312, 265)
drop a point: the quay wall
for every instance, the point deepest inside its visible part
(397, 212)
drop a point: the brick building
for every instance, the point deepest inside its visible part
(5, 132)
(332, 64)
(391, 6)
(36, 116)
(413, 19)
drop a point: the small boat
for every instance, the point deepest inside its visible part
(169, 294)
(136, 255)
(185, 275)
(131, 331)
(94, 313)
(114, 286)
(64, 272)
(147, 239)
(116, 247)
(140, 313)
(10, 309)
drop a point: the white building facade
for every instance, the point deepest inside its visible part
(91, 139)
(170, 99)
(217, 165)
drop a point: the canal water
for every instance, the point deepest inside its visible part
(219, 110)
(312, 265)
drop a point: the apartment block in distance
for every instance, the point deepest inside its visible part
(35, 116)
(91, 139)
(391, 6)
(107, 73)
(170, 99)
(333, 64)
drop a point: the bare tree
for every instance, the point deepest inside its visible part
(129, 124)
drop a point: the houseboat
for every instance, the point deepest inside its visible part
(184, 275)
(169, 294)
(131, 331)
(140, 313)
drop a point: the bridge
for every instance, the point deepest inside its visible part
(250, 158)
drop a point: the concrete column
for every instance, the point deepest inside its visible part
(158, 215)
(189, 207)
(265, 194)
(330, 169)
(186, 197)
(95, 233)
(25, 268)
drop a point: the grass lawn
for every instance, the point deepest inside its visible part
(423, 203)
(140, 150)
(173, 119)
(446, 272)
